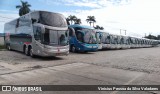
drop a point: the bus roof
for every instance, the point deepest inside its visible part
(44, 17)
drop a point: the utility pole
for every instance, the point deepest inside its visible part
(125, 31)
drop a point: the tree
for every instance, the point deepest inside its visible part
(67, 19)
(99, 27)
(24, 8)
(71, 19)
(78, 21)
(90, 20)
(151, 37)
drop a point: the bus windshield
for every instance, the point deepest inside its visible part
(106, 38)
(54, 37)
(99, 37)
(89, 36)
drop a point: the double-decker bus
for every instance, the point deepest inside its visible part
(38, 33)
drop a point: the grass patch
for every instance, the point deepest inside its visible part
(2, 47)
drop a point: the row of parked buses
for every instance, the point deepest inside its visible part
(110, 41)
(85, 39)
(47, 34)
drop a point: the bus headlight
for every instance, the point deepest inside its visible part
(96, 46)
(89, 46)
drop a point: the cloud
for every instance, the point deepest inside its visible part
(6, 17)
(137, 17)
(80, 3)
(8, 11)
(86, 3)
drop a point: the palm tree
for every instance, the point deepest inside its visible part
(24, 8)
(78, 21)
(99, 27)
(67, 19)
(72, 18)
(90, 20)
(93, 20)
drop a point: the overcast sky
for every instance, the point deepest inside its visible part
(136, 16)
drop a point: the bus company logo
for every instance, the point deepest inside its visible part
(6, 88)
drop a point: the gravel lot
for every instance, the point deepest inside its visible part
(109, 67)
(143, 60)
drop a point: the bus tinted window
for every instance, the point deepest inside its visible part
(37, 33)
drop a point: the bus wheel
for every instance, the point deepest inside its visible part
(26, 51)
(9, 47)
(31, 52)
(85, 51)
(73, 49)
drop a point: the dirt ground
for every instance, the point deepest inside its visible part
(143, 59)
(108, 67)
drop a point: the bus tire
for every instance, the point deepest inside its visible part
(31, 52)
(9, 47)
(26, 51)
(85, 51)
(73, 49)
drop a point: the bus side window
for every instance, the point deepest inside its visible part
(37, 33)
(79, 36)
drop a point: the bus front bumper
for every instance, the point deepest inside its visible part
(88, 48)
(55, 52)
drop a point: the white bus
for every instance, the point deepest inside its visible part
(39, 33)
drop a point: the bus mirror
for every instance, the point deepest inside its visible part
(71, 32)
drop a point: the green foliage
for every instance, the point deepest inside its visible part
(24, 8)
(90, 20)
(78, 21)
(2, 47)
(67, 19)
(99, 27)
(153, 37)
(73, 19)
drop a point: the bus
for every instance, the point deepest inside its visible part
(82, 38)
(112, 41)
(99, 36)
(106, 40)
(39, 33)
